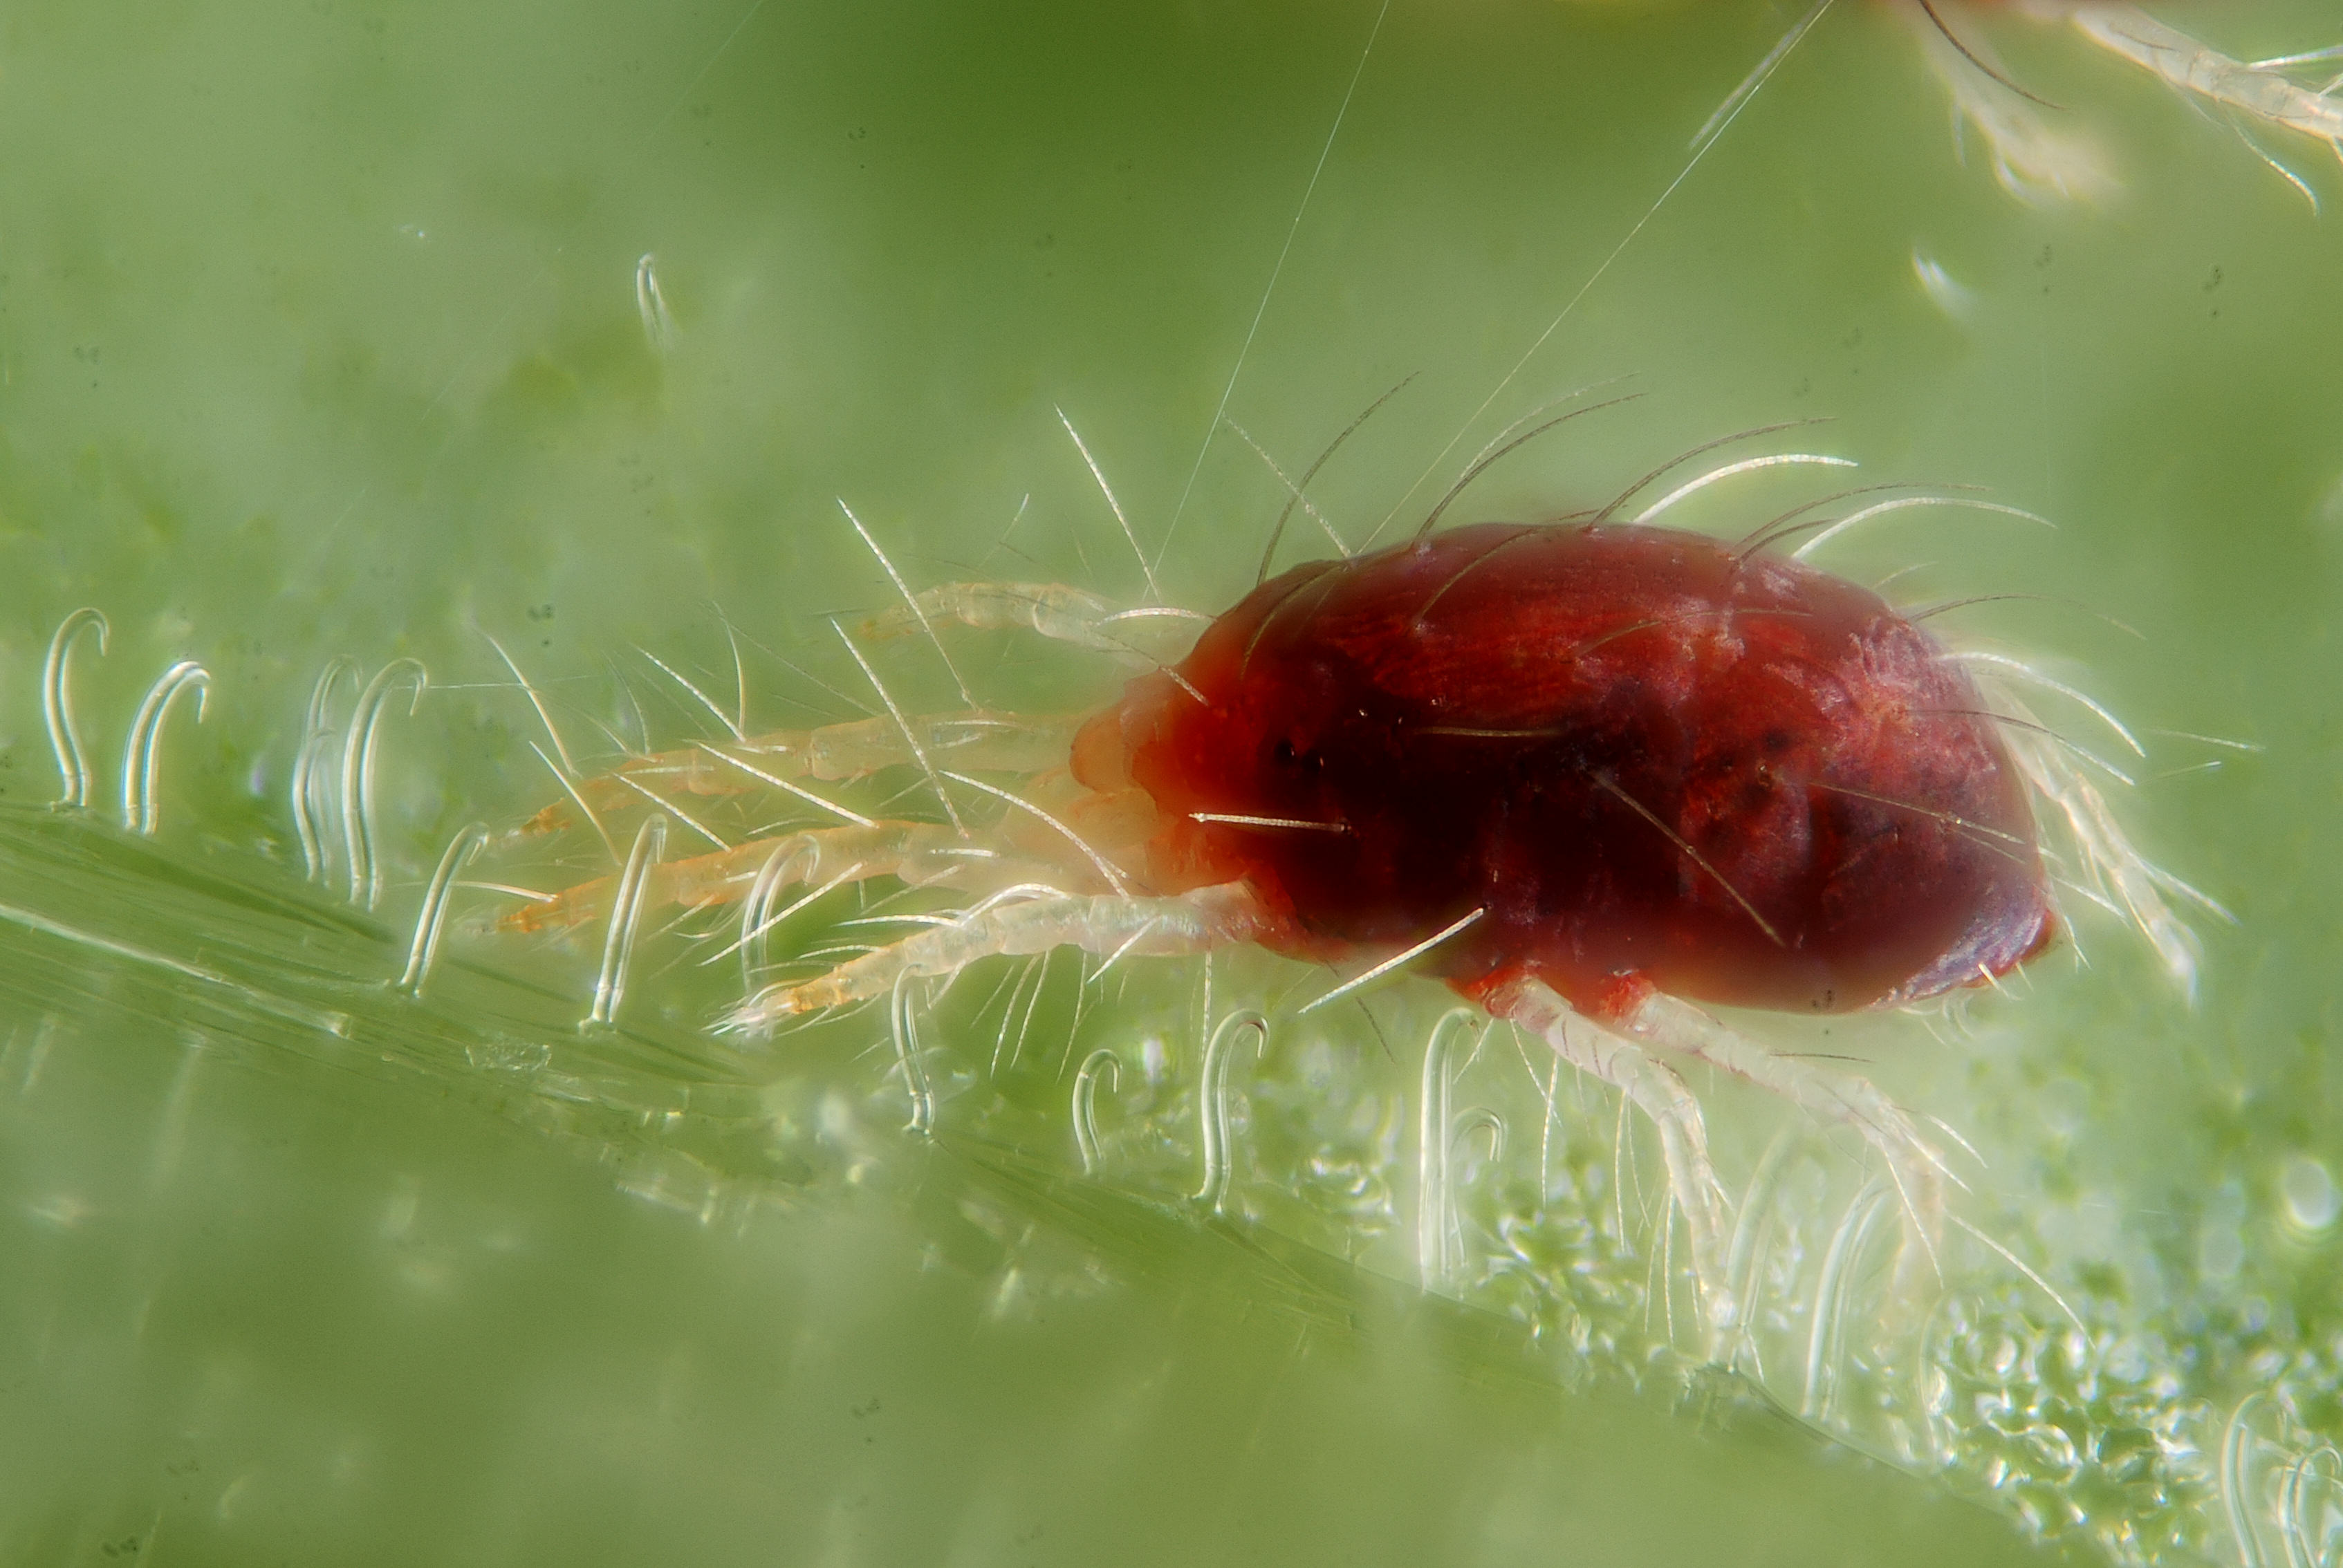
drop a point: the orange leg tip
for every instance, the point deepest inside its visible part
(564, 911)
(554, 818)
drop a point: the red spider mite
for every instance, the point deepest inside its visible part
(1633, 758)
(1587, 773)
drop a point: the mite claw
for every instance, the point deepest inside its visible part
(564, 911)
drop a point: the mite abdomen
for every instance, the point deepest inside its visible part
(1633, 752)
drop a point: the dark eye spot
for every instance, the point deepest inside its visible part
(1777, 742)
(1284, 752)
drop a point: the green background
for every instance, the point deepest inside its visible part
(320, 337)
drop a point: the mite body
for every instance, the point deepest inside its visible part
(1627, 759)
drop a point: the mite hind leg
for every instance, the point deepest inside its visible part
(1052, 610)
(2031, 161)
(1113, 924)
(984, 742)
(2262, 90)
(1913, 1165)
(1663, 1097)
(924, 854)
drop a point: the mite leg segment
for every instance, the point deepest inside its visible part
(985, 742)
(2030, 160)
(2112, 870)
(1006, 742)
(922, 853)
(1913, 1165)
(1109, 923)
(1060, 613)
(1533, 1005)
(1053, 610)
(2261, 90)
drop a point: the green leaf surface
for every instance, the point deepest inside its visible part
(376, 332)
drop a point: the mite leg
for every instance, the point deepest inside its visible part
(1058, 612)
(2261, 90)
(986, 742)
(923, 853)
(1110, 923)
(1533, 1005)
(2031, 162)
(1913, 1165)
(2111, 867)
(1053, 610)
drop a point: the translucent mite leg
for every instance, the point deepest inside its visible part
(2112, 870)
(918, 852)
(1001, 743)
(1109, 923)
(2108, 867)
(1915, 1167)
(1053, 610)
(1532, 1005)
(1060, 613)
(2264, 92)
(2030, 160)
